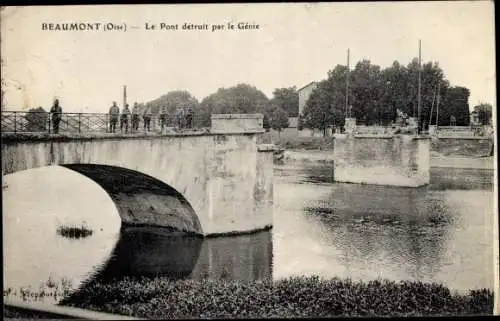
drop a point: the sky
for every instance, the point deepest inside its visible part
(294, 45)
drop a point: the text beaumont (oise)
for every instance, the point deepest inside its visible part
(84, 26)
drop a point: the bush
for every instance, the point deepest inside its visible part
(160, 298)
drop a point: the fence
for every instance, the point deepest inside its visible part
(20, 121)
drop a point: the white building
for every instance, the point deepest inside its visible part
(304, 93)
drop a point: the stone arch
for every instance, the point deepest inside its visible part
(142, 200)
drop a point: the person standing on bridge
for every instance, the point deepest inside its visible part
(147, 118)
(124, 118)
(180, 118)
(56, 114)
(114, 112)
(189, 118)
(135, 117)
(163, 117)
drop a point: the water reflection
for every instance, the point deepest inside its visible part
(152, 252)
(368, 232)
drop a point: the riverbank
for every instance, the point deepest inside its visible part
(305, 143)
(161, 298)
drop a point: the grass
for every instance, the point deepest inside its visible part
(160, 298)
(74, 232)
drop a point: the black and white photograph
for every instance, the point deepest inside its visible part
(249, 160)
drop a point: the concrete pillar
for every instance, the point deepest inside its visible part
(395, 161)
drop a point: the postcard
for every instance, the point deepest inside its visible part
(249, 160)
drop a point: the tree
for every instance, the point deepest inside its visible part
(279, 119)
(37, 119)
(484, 112)
(239, 99)
(367, 92)
(326, 104)
(455, 103)
(173, 100)
(287, 99)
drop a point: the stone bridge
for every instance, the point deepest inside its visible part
(214, 182)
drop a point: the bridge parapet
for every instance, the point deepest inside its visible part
(239, 123)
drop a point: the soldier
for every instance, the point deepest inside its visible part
(163, 116)
(135, 117)
(56, 113)
(189, 118)
(147, 118)
(124, 118)
(180, 118)
(114, 111)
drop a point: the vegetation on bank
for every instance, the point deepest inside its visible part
(161, 298)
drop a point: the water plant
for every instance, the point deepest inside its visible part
(74, 231)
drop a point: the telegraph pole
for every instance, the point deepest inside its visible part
(347, 87)
(419, 85)
(124, 96)
(437, 106)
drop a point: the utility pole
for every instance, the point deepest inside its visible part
(124, 96)
(347, 87)
(437, 106)
(419, 85)
(432, 106)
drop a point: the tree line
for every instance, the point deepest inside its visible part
(239, 99)
(375, 94)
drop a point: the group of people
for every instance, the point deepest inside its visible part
(184, 118)
(114, 115)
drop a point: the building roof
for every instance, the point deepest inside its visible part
(309, 84)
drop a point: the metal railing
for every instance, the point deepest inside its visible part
(37, 122)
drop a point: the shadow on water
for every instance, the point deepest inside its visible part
(151, 252)
(157, 252)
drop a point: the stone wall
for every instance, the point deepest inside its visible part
(394, 160)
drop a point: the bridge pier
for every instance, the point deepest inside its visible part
(394, 160)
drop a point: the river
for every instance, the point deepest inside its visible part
(439, 233)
